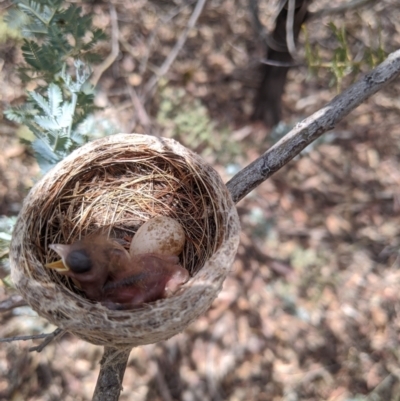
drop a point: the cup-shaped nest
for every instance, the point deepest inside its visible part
(115, 184)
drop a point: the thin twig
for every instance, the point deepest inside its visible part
(142, 115)
(48, 339)
(351, 5)
(277, 63)
(149, 47)
(148, 88)
(30, 337)
(312, 127)
(15, 301)
(114, 48)
(162, 21)
(23, 338)
(127, 46)
(109, 382)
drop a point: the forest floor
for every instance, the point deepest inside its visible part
(311, 309)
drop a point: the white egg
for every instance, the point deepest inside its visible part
(161, 234)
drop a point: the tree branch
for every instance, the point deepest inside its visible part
(313, 127)
(109, 382)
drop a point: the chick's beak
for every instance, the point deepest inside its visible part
(59, 265)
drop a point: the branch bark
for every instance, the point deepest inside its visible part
(112, 369)
(313, 127)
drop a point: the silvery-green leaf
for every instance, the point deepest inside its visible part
(5, 236)
(66, 114)
(44, 150)
(55, 99)
(45, 157)
(16, 19)
(47, 123)
(40, 101)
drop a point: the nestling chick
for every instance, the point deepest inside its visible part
(107, 273)
(89, 263)
(155, 277)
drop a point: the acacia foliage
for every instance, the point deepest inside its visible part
(58, 48)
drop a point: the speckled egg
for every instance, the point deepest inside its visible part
(162, 235)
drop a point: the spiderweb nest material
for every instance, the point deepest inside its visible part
(115, 184)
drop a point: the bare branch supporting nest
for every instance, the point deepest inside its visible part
(109, 382)
(312, 128)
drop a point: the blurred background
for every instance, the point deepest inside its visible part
(311, 308)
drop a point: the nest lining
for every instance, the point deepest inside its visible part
(114, 185)
(117, 198)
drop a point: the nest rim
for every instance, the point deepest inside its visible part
(97, 324)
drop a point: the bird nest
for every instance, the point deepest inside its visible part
(115, 184)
